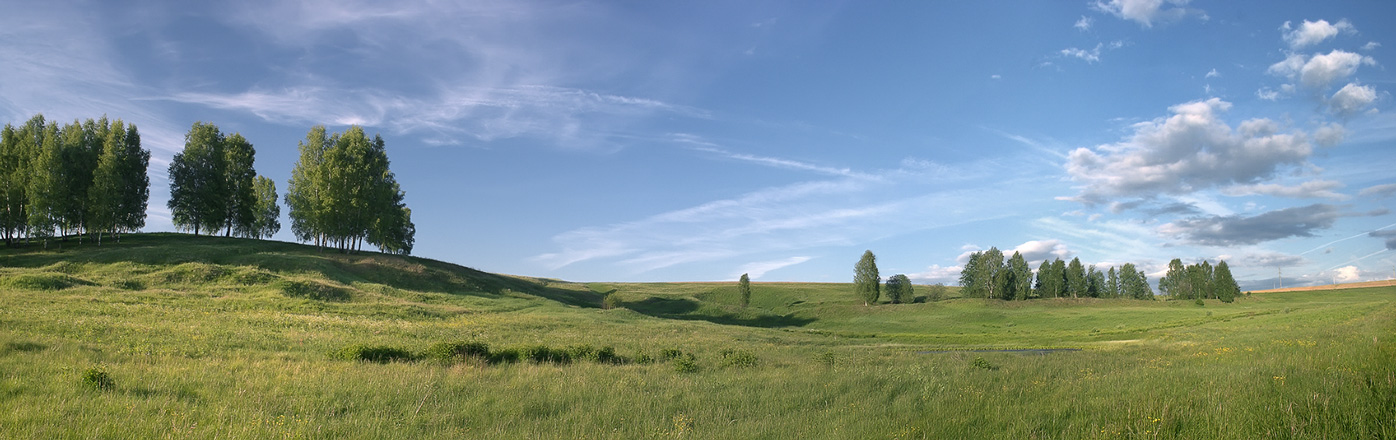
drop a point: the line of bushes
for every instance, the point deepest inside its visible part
(480, 352)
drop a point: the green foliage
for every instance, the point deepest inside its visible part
(342, 193)
(826, 358)
(451, 352)
(266, 212)
(866, 281)
(899, 289)
(611, 301)
(744, 289)
(936, 292)
(1018, 273)
(983, 364)
(1225, 285)
(198, 189)
(1076, 282)
(685, 364)
(738, 358)
(98, 379)
(375, 353)
(312, 290)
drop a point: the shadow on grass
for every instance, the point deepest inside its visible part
(692, 310)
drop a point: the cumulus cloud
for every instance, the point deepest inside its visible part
(1347, 274)
(1352, 99)
(1313, 32)
(1038, 250)
(1329, 135)
(1145, 12)
(1233, 230)
(1385, 190)
(1083, 24)
(1321, 70)
(937, 274)
(1189, 151)
(1313, 189)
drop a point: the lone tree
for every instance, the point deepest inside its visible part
(866, 281)
(899, 289)
(744, 287)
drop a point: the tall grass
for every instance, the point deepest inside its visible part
(198, 338)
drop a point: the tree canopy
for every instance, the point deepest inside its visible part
(342, 193)
(866, 281)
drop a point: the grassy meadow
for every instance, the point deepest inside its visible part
(173, 336)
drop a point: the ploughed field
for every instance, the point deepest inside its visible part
(173, 336)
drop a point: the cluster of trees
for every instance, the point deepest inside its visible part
(213, 186)
(987, 275)
(83, 178)
(867, 283)
(342, 194)
(1199, 281)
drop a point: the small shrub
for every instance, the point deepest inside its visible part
(312, 290)
(98, 379)
(670, 354)
(448, 352)
(936, 291)
(739, 358)
(983, 364)
(685, 364)
(1199, 302)
(581, 352)
(129, 285)
(541, 353)
(826, 358)
(505, 356)
(611, 301)
(643, 358)
(607, 355)
(375, 353)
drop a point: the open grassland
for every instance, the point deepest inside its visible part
(168, 336)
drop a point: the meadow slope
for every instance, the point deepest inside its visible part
(173, 336)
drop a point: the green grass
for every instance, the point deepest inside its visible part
(170, 336)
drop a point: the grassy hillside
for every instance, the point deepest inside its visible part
(170, 336)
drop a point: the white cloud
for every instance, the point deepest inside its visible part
(937, 274)
(1267, 94)
(1083, 24)
(1320, 71)
(1034, 251)
(1093, 55)
(1189, 151)
(1144, 12)
(1213, 74)
(1329, 135)
(1307, 190)
(1384, 190)
(1347, 274)
(1352, 99)
(1371, 45)
(758, 269)
(1313, 32)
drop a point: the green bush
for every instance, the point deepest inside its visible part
(97, 378)
(670, 354)
(983, 364)
(607, 355)
(1199, 302)
(449, 352)
(826, 358)
(643, 358)
(685, 364)
(739, 358)
(611, 301)
(312, 290)
(505, 356)
(539, 354)
(375, 353)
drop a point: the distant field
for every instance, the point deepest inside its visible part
(1382, 283)
(171, 336)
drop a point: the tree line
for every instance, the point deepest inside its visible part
(1199, 281)
(987, 275)
(80, 179)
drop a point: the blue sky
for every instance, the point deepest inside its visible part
(673, 141)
